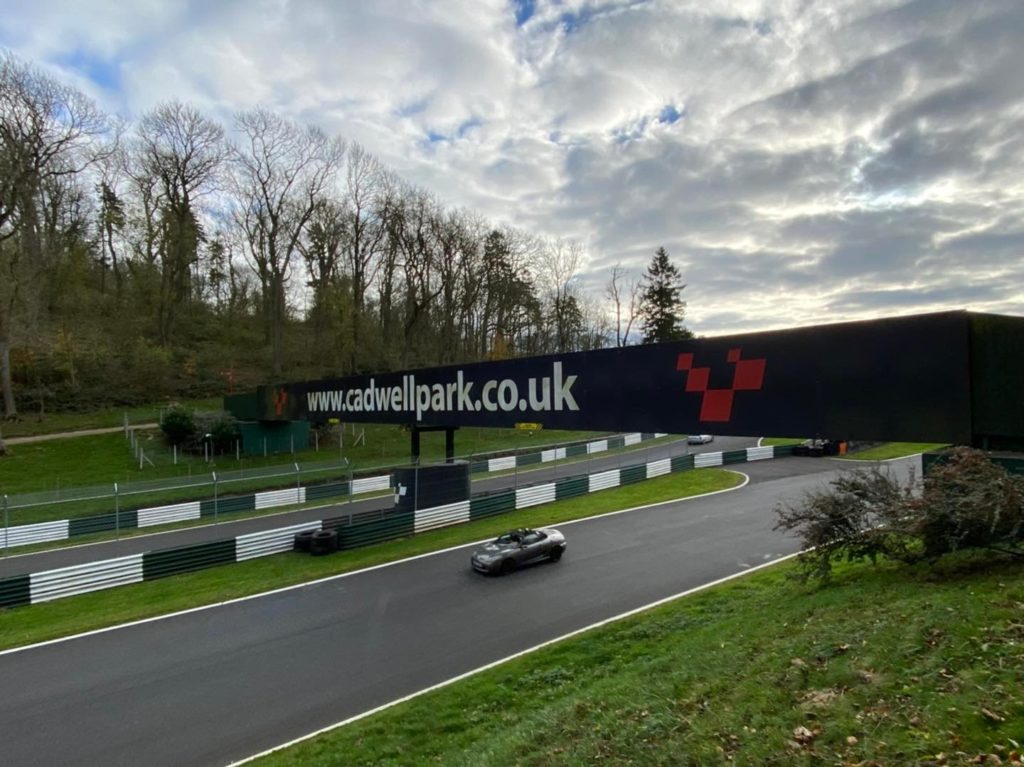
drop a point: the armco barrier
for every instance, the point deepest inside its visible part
(60, 530)
(354, 531)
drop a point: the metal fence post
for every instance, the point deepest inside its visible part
(298, 483)
(117, 513)
(515, 467)
(7, 527)
(348, 465)
(214, 496)
(416, 485)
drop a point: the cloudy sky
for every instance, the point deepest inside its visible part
(800, 160)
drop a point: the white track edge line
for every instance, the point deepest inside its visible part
(514, 656)
(329, 578)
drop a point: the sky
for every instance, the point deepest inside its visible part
(801, 161)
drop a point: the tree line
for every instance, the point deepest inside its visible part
(174, 256)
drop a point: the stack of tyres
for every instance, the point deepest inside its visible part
(324, 542)
(303, 540)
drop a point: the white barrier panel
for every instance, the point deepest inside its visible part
(603, 480)
(272, 498)
(161, 515)
(659, 435)
(700, 460)
(442, 516)
(269, 542)
(658, 468)
(502, 464)
(632, 439)
(760, 453)
(534, 496)
(369, 484)
(552, 455)
(597, 447)
(25, 535)
(81, 579)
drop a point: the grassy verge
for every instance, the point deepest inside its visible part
(886, 666)
(29, 423)
(107, 458)
(772, 441)
(891, 450)
(35, 623)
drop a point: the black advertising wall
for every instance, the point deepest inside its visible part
(997, 381)
(906, 379)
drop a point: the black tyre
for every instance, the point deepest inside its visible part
(507, 567)
(324, 542)
(303, 540)
(556, 554)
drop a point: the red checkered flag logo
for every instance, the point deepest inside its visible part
(716, 404)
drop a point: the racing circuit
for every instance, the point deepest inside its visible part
(220, 684)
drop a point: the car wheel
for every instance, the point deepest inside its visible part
(507, 567)
(556, 553)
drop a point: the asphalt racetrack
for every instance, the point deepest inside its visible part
(216, 685)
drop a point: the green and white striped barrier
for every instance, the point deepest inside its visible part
(363, 529)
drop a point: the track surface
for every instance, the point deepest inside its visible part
(15, 564)
(216, 685)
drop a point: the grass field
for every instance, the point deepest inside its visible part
(888, 666)
(30, 423)
(891, 450)
(107, 458)
(35, 623)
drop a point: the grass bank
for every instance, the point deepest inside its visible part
(887, 666)
(890, 450)
(107, 458)
(48, 620)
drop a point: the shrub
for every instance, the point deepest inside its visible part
(966, 501)
(969, 502)
(860, 517)
(222, 428)
(178, 425)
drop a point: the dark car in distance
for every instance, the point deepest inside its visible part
(516, 548)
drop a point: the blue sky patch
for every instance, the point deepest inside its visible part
(524, 10)
(105, 73)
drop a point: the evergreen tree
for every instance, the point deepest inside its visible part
(661, 308)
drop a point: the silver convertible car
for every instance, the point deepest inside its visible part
(516, 548)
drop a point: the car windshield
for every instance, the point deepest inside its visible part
(509, 538)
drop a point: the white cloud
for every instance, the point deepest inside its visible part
(801, 161)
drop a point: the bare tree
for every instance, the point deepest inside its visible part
(182, 152)
(281, 171)
(559, 262)
(370, 200)
(47, 131)
(624, 294)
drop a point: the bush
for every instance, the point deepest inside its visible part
(222, 428)
(966, 501)
(178, 425)
(860, 517)
(969, 502)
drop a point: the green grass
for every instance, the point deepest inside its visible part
(35, 623)
(108, 458)
(772, 441)
(887, 666)
(30, 423)
(891, 450)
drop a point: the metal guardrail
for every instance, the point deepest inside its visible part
(297, 494)
(354, 530)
